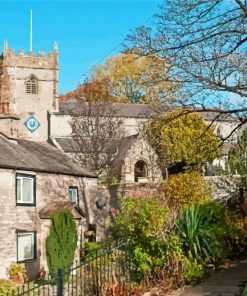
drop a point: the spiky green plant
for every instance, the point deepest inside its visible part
(201, 229)
(61, 242)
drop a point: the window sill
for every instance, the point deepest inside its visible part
(26, 205)
(27, 260)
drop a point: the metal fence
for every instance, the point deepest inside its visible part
(106, 273)
(37, 288)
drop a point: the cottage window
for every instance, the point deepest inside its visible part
(32, 85)
(25, 189)
(26, 246)
(73, 194)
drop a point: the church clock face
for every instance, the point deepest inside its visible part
(32, 124)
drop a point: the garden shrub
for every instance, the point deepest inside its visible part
(174, 253)
(202, 230)
(7, 287)
(91, 248)
(141, 222)
(237, 235)
(16, 268)
(186, 189)
(175, 261)
(245, 291)
(61, 242)
(178, 267)
(194, 271)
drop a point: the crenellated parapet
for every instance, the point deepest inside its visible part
(25, 60)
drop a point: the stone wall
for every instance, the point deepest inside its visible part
(60, 125)
(113, 196)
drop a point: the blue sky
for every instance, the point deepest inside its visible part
(86, 31)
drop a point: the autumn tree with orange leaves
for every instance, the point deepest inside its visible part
(90, 91)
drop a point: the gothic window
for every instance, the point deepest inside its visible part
(32, 85)
(219, 132)
(141, 170)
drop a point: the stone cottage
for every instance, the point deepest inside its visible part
(35, 180)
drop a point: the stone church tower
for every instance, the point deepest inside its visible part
(28, 90)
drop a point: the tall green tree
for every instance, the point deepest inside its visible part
(61, 242)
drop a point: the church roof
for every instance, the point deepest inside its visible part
(76, 108)
(125, 145)
(38, 157)
(71, 145)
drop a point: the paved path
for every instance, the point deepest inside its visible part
(227, 282)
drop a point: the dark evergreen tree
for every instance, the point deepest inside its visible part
(61, 242)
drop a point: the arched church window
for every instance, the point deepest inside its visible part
(141, 170)
(32, 85)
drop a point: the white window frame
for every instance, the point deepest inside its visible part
(32, 234)
(77, 194)
(21, 177)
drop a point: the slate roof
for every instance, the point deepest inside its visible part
(38, 157)
(125, 145)
(76, 108)
(212, 114)
(59, 206)
(118, 109)
(70, 145)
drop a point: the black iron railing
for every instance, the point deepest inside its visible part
(106, 272)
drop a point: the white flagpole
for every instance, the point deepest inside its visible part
(31, 30)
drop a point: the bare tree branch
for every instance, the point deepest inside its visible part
(205, 44)
(97, 135)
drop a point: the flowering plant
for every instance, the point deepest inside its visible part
(17, 273)
(112, 212)
(15, 269)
